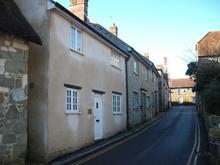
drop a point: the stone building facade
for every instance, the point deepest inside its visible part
(142, 86)
(181, 91)
(163, 91)
(14, 53)
(13, 99)
(142, 90)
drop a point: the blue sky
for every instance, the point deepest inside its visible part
(160, 27)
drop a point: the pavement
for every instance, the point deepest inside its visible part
(100, 145)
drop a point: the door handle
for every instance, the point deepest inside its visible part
(97, 120)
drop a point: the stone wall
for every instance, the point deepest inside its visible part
(13, 100)
(135, 84)
(185, 95)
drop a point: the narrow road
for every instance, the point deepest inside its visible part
(168, 142)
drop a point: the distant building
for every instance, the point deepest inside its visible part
(181, 91)
(209, 46)
(164, 91)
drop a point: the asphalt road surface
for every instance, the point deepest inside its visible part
(169, 141)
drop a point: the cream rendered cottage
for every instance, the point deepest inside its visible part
(77, 82)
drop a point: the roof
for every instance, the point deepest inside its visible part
(181, 83)
(209, 45)
(111, 37)
(12, 22)
(122, 45)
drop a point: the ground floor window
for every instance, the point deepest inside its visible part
(72, 100)
(116, 103)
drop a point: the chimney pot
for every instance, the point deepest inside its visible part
(146, 55)
(114, 29)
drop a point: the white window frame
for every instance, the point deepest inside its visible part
(74, 42)
(71, 103)
(136, 67)
(115, 107)
(115, 59)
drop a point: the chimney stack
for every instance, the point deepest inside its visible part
(146, 55)
(114, 30)
(165, 60)
(79, 8)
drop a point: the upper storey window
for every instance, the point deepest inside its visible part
(136, 67)
(76, 39)
(115, 59)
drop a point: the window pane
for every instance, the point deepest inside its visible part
(68, 106)
(118, 103)
(73, 37)
(68, 100)
(118, 98)
(119, 109)
(74, 107)
(68, 93)
(74, 94)
(79, 40)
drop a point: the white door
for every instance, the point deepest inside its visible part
(98, 117)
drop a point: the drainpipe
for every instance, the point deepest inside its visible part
(126, 74)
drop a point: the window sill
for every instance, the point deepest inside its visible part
(114, 66)
(73, 113)
(78, 52)
(119, 113)
(136, 74)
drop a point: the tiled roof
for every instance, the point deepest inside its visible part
(12, 22)
(122, 45)
(117, 41)
(181, 83)
(209, 45)
(109, 36)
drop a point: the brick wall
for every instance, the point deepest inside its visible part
(13, 100)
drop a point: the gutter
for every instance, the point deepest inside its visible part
(62, 9)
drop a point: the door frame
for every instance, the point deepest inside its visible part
(100, 96)
(143, 105)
